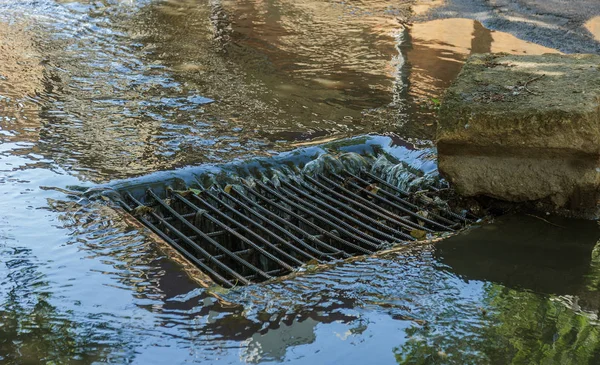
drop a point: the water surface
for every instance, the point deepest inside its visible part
(102, 90)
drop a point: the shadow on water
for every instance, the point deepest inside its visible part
(539, 296)
(521, 253)
(550, 23)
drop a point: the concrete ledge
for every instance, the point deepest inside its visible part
(524, 128)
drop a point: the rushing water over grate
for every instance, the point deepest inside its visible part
(250, 233)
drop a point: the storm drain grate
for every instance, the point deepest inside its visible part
(245, 234)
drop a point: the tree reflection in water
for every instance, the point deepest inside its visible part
(539, 299)
(32, 330)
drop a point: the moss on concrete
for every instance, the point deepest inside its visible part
(524, 128)
(548, 101)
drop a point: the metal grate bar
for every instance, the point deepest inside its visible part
(248, 231)
(353, 195)
(276, 272)
(378, 234)
(370, 207)
(260, 227)
(305, 221)
(313, 210)
(404, 193)
(250, 234)
(281, 230)
(237, 253)
(396, 235)
(196, 249)
(238, 235)
(404, 202)
(204, 236)
(394, 205)
(318, 219)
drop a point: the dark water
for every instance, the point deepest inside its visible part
(95, 91)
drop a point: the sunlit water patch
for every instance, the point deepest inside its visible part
(593, 25)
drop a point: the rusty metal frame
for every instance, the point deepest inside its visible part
(257, 232)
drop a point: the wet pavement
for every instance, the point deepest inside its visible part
(569, 27)
(91, 92)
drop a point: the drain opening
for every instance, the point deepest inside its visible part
(249, 234)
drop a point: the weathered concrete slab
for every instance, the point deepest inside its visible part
(524, 128)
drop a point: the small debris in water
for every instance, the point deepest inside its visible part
(142, 210)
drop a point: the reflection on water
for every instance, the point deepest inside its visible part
(104, 90)
(464, 301)
(21, 77)
(563, 257)
(118, 90)
(436, 53)
(538, 296)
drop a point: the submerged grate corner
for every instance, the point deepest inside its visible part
(250, 233)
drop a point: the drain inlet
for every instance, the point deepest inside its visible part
(240, 235)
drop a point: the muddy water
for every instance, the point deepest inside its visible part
(95, 91)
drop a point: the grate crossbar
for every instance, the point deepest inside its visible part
(255, 232)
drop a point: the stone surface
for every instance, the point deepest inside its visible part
(524, 128)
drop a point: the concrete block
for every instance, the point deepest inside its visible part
(524, 128)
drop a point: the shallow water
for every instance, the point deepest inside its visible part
(96, 91)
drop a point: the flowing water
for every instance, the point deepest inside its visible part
(96, 91)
